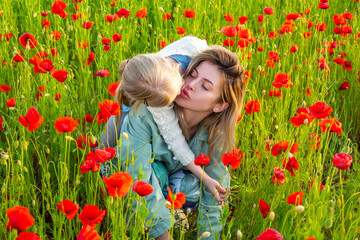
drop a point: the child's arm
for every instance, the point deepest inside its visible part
(170, 130)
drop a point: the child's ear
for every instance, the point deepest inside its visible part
(220, 107)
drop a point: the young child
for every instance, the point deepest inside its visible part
(155, 81)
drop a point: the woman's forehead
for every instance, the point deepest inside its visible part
(209, 71)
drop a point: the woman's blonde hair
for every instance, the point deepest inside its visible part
(220, 125)
(148, 79)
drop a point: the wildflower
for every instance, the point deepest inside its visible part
(189, 13)
(342, 161)
(252, 107)
(142, 188)
(87, 233)
(141, 13)
(68, 208)
(27, 38)
(175, 200)
(32, 121)
(331, 124)
(270, 234)
(91, 215)
(19, 218)
(65, 124)
(320, 110)
(279, 176)
(234, 158)
(264, 208)
(201, 160)
(295, 198)
(118, 184)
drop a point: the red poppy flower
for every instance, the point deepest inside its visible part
(342, 161)
(68, 208)
(33, 120)
(275, 93)
(44, 14)
(202, 160)
(281, 79)
(295, 198)
(56, 35)
(54, 52)
(176, 200)
(348, 15)
(229, 18)
(268, 11)
(116, 37)
(141, 13)
(189, 13)
(88, 233)
(279, 176)
(19, 218)
(28, 236)
(65, 124)
(118, 184)
(228, 42)
(338, 19)
(320, 110)
(279, 148)
(270, 234)
(28, 38)
(102, 73)
(39, 93)
(46, 65)
(57, 96)
(83, 141)
(87, 25)
(260, 18)
(234, 158)
(75, 16)
(291, 164)
(162, 44)
(123, 12)
(243, 19)
(166, 16)
(11, 102)
(347, 65)
(111, 18)
(307, 11)
(180, 30)
(142, 188)
(90, 164)
(107, 109)
(323, 5)
(60, 75)
(5, 88)
(264, 208)
(91, 215)
(321, 27)
(252, 107)
(315, 140)
(320, 185)
(90, 58)
(58, 7)
(46, 23)
(112, 88)
(344, 86)
(303, 117)
(294, 48)
(229, 31)
(42, 54)
(243, 43)
(8, 36)
(1, 122)
(105, 154)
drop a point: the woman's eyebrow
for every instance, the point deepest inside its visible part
(207, 80)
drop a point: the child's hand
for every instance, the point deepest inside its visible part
(219, 192)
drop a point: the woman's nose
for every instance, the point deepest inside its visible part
(191, 84)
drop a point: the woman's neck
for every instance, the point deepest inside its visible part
(193, 120)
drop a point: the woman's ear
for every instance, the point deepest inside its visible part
(220, 107)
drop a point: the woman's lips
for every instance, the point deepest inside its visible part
(185, 94)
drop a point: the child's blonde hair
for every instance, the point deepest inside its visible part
(148, 79)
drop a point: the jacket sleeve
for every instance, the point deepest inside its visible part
(138, 165)
(210, 209)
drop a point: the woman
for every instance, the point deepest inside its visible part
(208, 108)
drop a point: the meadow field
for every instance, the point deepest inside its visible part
(298, 133)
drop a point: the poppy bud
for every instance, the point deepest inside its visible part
(77, 182)
(276, 127)
(259, 68)
(3, 189)
(338, 203)
(150, 26)
(35, 14)
(33, 203)
(271, 216)
(247, 90)
(254, 205)
(290, 155)
(263, 92)
(161, 9)
(303, 104)
(69, 138)
(47, 95)
(328, 223)
(47, 150)
(168, 204)
(299, 209)
(306, 121)
(22, 96)
(205, 235)
(25, 145)
(274, 45)
(125, 135)
(19, 163)
(25, 169)
(239, 234)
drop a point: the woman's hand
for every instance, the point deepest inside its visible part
(219, 192)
